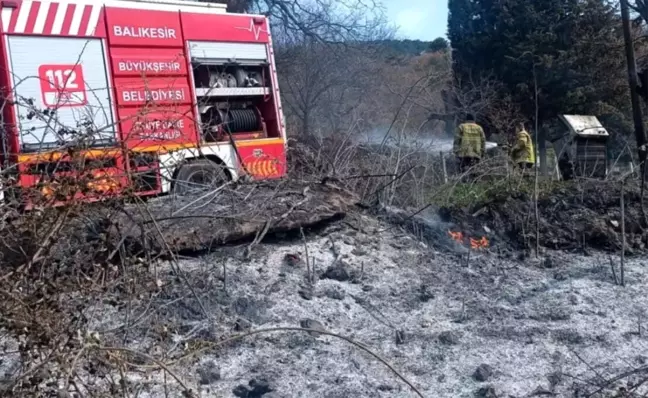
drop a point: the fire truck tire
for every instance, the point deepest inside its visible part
(198, 176)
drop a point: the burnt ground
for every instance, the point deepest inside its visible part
(549, 327)
(453, 322)
(574, 216)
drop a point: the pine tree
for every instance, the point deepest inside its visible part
(574, 47)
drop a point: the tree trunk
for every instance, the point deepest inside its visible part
(540, 135)
(632, 80)
(542, 151)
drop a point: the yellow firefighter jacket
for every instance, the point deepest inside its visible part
(470, 141)
(523, 150)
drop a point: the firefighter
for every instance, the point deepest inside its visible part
(469, 143)
(523, 153)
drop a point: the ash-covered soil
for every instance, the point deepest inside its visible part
(451, 321)
(488, 327)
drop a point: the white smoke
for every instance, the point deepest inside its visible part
(423, 142)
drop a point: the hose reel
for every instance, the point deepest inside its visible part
(240, 120)
(219, 122)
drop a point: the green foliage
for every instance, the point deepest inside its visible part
(476, 194)
(466, 195)
(409, 47)
(438, 44)
(572, 48)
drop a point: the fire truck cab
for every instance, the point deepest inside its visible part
(140, 96)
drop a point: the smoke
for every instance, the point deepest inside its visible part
(427, 226)
(424, 142)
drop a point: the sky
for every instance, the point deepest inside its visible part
(418, 19)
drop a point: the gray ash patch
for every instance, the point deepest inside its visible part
(436, 319)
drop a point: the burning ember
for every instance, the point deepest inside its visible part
(474, 243)
(457, 236)
(479, 243)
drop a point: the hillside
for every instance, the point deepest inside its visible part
(412, 47)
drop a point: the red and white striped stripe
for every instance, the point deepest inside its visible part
(62, 18)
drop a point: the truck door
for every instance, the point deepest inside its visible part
(62, 92)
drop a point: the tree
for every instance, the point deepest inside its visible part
(323, 83)
(311, 70)
(322, 20)
(636, 43)
(572, 48)
(634, 85)
(438, 44)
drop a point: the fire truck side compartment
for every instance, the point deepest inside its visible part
(151, 70)
(45, 121)
(232, 89)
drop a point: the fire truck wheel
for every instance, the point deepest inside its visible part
(199, 176)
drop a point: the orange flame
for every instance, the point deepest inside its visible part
(457, 236)
(479, 243)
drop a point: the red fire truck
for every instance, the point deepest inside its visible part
(154, 96)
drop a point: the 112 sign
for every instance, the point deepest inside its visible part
(62, 85)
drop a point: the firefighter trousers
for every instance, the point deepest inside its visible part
(465, 164)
